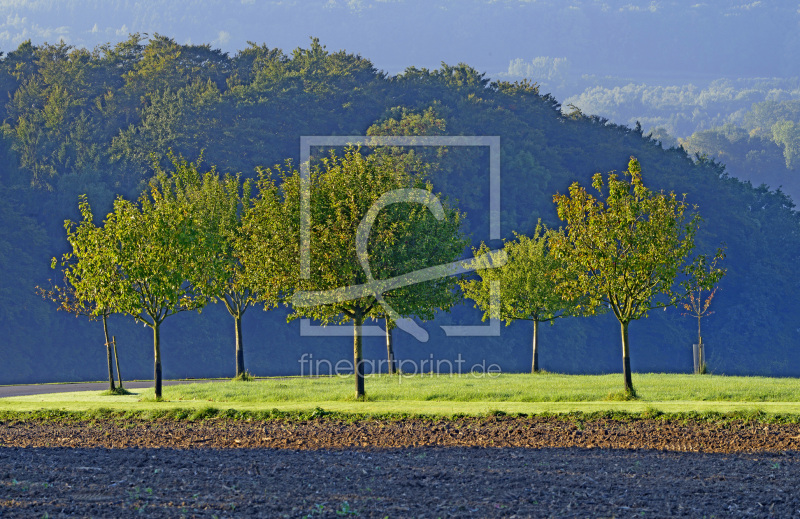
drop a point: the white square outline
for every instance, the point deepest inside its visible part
(307, 141)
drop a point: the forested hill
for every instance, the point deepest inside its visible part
(90, 122)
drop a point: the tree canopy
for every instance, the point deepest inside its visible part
(373, 221)
(626, 249)
(155, 253)
(524, 288)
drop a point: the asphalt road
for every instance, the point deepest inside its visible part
(43, 389)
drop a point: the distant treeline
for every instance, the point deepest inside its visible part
(681, 110)
(94, 122)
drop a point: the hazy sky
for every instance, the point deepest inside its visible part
(673, 40)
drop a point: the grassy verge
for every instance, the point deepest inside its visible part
(546, 387)
(444, 396)
(209, 413)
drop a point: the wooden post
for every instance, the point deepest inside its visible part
(116, 358)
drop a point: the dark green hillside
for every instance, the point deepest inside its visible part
(87, 122)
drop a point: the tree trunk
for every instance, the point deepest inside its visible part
(699, 335)
(108, 354)
(116, 358)
(157, 360)
(389, 347)
(239, 346)
(626, 358)
(358, 364)
(702, 360)
(535, 361)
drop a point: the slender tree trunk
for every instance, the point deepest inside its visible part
(389, 347)
(237, 305)
(239, 346)
(702, 360)
(626, 358)
(358, 364)
(116, 358)
(699, 335)
(535, 362)
(157, 359)
(108, 354)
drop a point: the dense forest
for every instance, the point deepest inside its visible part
(97, 122)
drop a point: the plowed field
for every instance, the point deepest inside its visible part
(470, 467)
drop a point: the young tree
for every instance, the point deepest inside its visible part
(158, 253)
(417, 251)
(405, 122)
(90, 277)
(375, 224)
(219, 205)
(526, 285)
(265, 247)
(222, 206)
(391, 366)
(698, 307)
(625, 250)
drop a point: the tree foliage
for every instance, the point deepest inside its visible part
(626, 249)
(524, 288)
(218, 206)
(89, 277)
(399, 240)
(157, 253)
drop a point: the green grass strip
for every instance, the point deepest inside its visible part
(443, 396)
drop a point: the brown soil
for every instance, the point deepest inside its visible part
(472, 467)
(691, 436)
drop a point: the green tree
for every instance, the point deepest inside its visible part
(163, 64)
(424, 240)
(626, 250)
(761, 117)
(218, 205)
(249, 246)
(90, 277)
(68, 300)
(47, 121)
(375, 226)
(526, 284)
(402, 121)
(158, 253)
(265, 247)
(181, 120)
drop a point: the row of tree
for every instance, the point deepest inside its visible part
(196, 238)
(85, 121)
(370, 226)
(622, 251)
